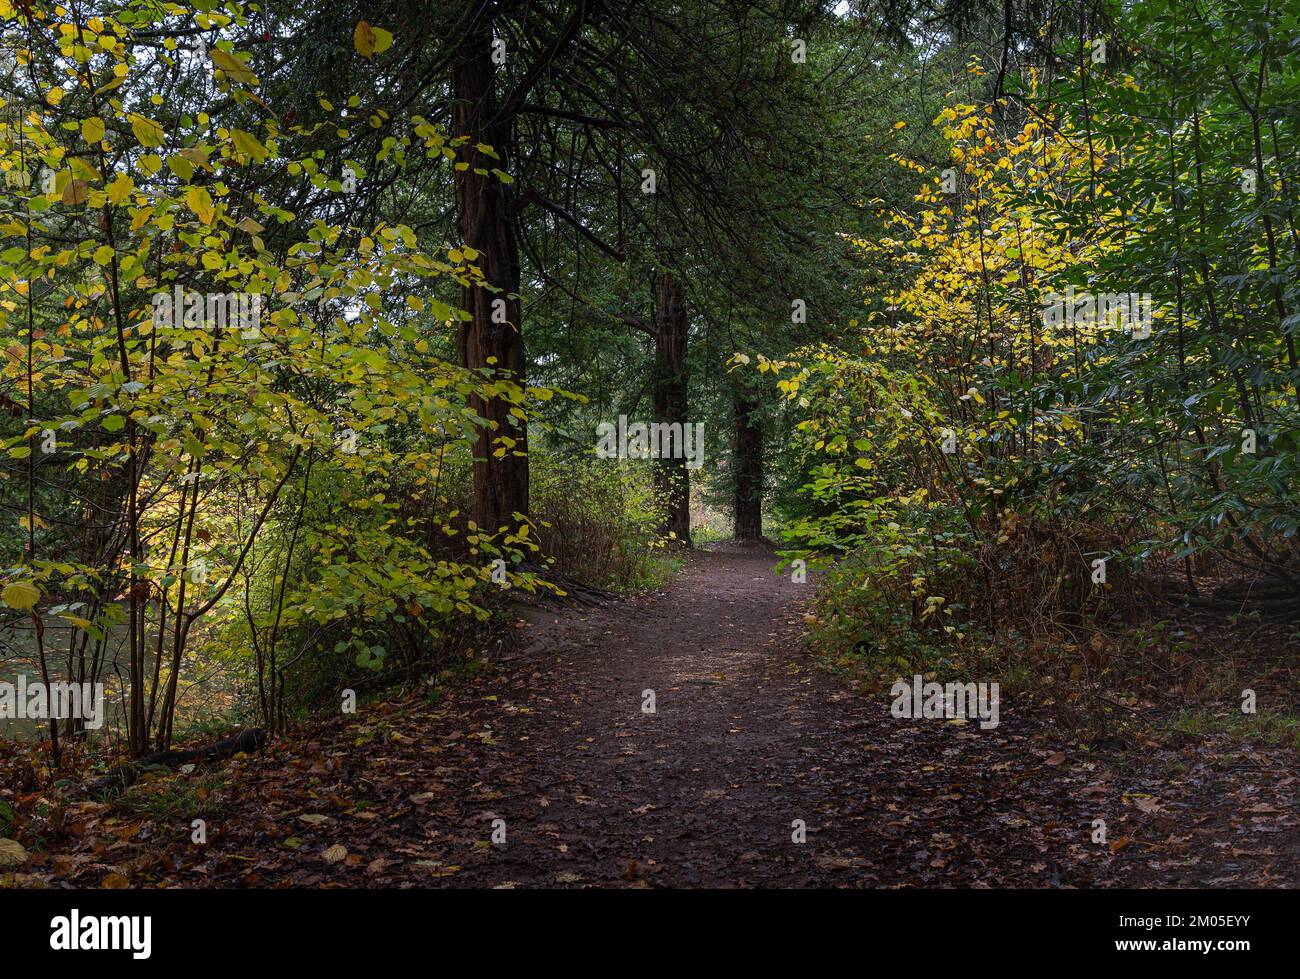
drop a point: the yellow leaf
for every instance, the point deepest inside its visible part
(364, 39)
(121, 186)
(197, 156)
(114, 83)
(21, 595)
(236, 70)
(148, 132)
(92, 129)
(248, 144)
(200, 202)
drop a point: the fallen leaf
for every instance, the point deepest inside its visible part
(12, 853)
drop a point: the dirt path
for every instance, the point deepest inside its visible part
(748, 735)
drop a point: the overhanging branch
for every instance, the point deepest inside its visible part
(531, 195)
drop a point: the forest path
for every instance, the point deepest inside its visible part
(749, 734)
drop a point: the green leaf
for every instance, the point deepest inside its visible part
(181, 166)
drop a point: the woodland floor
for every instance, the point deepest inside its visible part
(750, 734)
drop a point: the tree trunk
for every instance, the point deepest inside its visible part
(748, 463)
(672, 478)
(492, 340)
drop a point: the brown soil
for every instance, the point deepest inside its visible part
(749, 734)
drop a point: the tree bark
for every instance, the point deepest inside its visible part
(492, 339)
(672, 478)
(748, 463)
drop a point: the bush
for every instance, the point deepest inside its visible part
(598, 521)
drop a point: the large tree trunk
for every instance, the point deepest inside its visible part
(672, 478)
(492, 339)
(748, 462)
